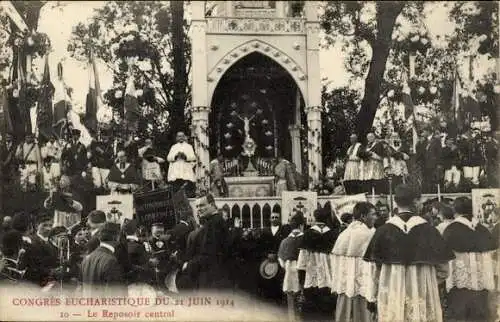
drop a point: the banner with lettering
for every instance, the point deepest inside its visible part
(294, 201)
(346, 204)
(484, 202)
(155, 207)
(116, 207)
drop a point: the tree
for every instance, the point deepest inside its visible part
(360, 24)
(146, 38)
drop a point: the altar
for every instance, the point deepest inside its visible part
(250, 186)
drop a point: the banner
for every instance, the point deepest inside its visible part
(116, 207)
(155, 207)
(346, 204)
(303, 201)
(484, 202)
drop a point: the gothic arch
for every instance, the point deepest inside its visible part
(256, 46)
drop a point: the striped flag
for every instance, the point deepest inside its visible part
(131, 107)
(409, 112)
(93, 99)
(44, 112)
(61, 102)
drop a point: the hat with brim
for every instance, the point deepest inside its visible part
(268, 269)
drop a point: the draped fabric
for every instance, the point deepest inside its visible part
(473, 271)
(291, 280)
(408, 293)
(317, 267)
(353, 241)
(354, 276)
(354, 164)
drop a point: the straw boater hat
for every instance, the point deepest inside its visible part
(268, 269)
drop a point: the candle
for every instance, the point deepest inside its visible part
(373, 195)
(439, 193)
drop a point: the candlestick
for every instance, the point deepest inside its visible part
(439, 193)
(373, 195)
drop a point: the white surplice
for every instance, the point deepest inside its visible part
(181, 169)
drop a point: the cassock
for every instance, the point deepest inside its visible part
(180, 168)
(314, 259)
(123, 176)
(471, 273)
(409, 256)
(102, 273)
(353, 169)
(353, 279)
(39, 260)
(373, 167)
(138, 260)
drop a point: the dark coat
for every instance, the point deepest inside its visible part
(121, 252)
(271, 243)
(178, 239)
(75, 159)
(210, 261)
(40, 258)
(101, 271)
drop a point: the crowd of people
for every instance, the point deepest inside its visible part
(457, 163)
(368, 266)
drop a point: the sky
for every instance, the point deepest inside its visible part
(58, 23)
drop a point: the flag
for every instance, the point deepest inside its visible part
(92, 101)
(131, 106)
(24, 123)
(61, 103)
(409, 112)
(6, 125)
(44, 112)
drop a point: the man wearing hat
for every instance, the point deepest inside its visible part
(74, 155)
(410, 253)
(42, 259)
(95, 221)
(472, 155)
(30, 162)
(102, 274)
(314, 259)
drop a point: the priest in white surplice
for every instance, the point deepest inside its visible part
(181, 160)
(354, 279)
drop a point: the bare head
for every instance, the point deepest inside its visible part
(181, 137)
(353, 138)
(370, 137)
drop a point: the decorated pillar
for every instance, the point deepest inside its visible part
(313, 102)
(296, 150)
(200, 105)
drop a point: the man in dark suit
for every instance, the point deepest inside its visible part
(271, 240)
(179, 234)
(96, 220)
(101, 272)
(136, 253)
(41, 256)
(74, 156)
(212, 248)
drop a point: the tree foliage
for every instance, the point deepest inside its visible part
(143, 37)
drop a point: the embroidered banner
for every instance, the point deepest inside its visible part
(346, 204)
(484, 202)
(294, 201)
(155, 207)
(116, 207)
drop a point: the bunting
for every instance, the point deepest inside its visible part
(44, 112)
(409, 112)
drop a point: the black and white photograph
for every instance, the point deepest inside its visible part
(250, 161)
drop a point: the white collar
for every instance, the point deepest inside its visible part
(94, 231)
(321, 230)
(406, 227)
(472, 224)
(274, 229)
(45, 239)
(133, 237)
(295, 233)
(183, 222)
(107, 246)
